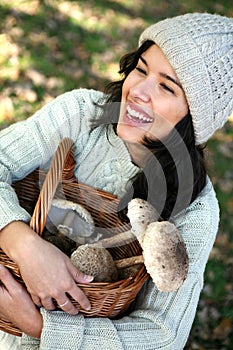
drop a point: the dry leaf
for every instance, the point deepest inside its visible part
(223, 329)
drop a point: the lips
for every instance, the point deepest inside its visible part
(137, 115)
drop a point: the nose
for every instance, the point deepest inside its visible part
(142, 90)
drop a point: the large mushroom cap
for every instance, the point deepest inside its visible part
(165, 255)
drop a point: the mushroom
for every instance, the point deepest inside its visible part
(163, 249)
(165, 255)
(141, 213)
(99, 263)
(70, 219)
(96, 262)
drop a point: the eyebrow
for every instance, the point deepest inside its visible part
(164, 75)
(175, 81)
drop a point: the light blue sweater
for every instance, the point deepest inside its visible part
(159, 320)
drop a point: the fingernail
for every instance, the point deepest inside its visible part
(88, 278)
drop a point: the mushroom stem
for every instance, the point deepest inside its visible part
(66, 227)
(141, 214)
(69, 218)
(121, 238)
(127, 262)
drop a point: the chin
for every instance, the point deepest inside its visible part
(128, 133)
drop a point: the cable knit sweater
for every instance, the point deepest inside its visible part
(158, 320)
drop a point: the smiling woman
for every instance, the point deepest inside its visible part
(153, 101)
(142, 138)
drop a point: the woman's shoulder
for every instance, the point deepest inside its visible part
(82, 98)
(87, 101)
(87, 95)
(82, 103)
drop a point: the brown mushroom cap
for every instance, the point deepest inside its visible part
(165, 255)
(96, 262)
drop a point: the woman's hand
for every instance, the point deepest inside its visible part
(46, 271)
(17, 306)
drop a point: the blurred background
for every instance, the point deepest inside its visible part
(50, 46)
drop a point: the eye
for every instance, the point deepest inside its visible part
(140, 70)
(167, 88)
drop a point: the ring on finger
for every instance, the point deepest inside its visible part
(66, 302)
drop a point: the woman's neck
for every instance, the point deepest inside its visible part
(139, 153)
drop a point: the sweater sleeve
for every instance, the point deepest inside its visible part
(27, 145)
(157, 320)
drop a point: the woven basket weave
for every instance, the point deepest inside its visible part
(108, 299)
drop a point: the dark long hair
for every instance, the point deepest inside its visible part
(175, 174)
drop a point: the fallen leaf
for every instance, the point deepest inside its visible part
(6, 108)
(223, 329)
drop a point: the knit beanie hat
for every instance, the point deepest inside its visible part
(199, 46)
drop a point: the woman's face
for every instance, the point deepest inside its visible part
(153, 101)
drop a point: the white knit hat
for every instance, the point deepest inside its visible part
(199, 46)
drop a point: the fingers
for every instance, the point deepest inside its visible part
(67, 306)
(12, 286)
(83, 278)
(78, 295)
(79, 276)
(64, 302)
(75, 292)
(7, 279)
(61, 298)
(17, 306)
(36, 300)
(46, 302)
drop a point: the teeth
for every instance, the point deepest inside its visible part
(131, 113)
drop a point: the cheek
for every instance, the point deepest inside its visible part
(160, 129)
(124, 96)
(129, 82)
(125, 90)
(172, 112)
(182, 108)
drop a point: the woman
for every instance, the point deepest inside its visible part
(175, 93)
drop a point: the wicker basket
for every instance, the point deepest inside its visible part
(108, 299)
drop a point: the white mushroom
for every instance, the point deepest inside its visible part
(164, 251)
(141, 213)
(165, 255)
(71, 219)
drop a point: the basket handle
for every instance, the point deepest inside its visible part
(51, 182)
